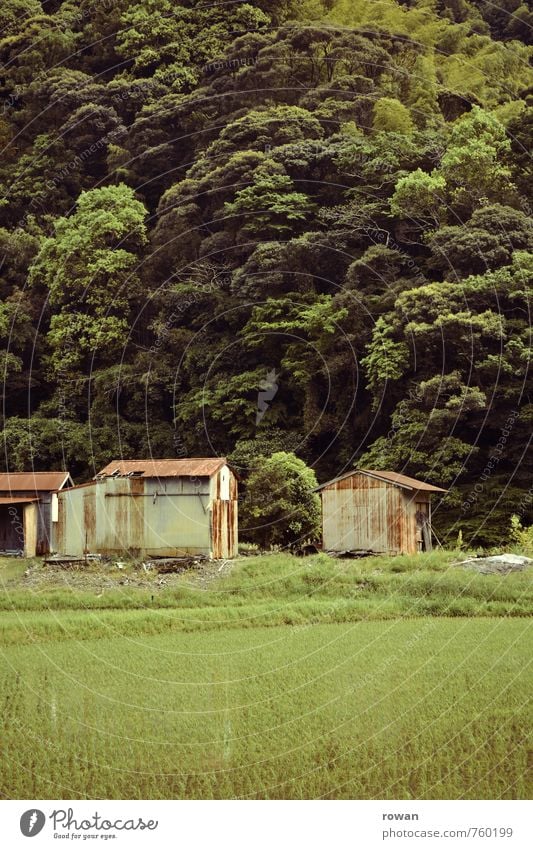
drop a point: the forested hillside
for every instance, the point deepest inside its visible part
(238, 228)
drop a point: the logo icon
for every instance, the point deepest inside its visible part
(32, 822)
(269, 388)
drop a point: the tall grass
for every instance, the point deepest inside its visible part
(281, 589)
(427, 708)
(278, 677)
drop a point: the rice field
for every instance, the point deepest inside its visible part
(204, 690)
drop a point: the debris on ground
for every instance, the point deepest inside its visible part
(497, 563)
(64, 561)
(351, 554)
(103, 574)
(306, 550)
(167, 565)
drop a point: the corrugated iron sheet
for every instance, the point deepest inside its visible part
(16, 499)
(149, 517)
(33, 481)
(390, 477)
(190, 467)
(403, 480)
(361, 512)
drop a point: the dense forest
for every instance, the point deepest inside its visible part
(239, 228)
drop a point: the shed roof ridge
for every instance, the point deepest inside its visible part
(34, 480)
(169, 467)
(394, 478)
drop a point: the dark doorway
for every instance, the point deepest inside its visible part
(11, 527)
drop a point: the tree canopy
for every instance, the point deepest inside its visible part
(288, 228)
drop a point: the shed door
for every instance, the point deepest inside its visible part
(11, 528)
(423, 533)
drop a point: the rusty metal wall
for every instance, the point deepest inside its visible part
(176, 516)
(31, 521)
(119, 516)
(410, 501)
(224, 517)
(44, 519)
(224, 529)
(147, 517)
(69, 533)
(365, 514)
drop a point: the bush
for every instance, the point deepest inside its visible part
(280, 507)
(520, 536)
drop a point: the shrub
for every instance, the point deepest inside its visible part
(281, 507)
(520, 536)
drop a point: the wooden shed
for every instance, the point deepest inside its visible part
(374, 511)
(28, 508)
(152, 508)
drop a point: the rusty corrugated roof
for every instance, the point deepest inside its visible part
(190, 467)
(390, 477)
(17, 499)
(32, 481)
(402, 480)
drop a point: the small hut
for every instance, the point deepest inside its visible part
(152, 508)
(28, 509)
(379, 512)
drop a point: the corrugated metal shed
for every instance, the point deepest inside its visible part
(33, 481)
(376, 511)
(27, 503)
(152, 513)
(191, 467)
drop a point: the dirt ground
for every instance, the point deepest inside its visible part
(96, 575)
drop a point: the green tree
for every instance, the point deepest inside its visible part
(89, 269)
(423, 99)
(280, 505)
(474, 166)
(486, 242)
(391, 116)
(419, 197)
(270, 206)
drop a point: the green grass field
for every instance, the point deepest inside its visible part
(277, 678)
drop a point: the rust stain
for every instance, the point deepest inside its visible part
(368, 478)
(231, 512)
(89, 520)
(127, 515)
(137, 514)
(215, 530)
(59, 541)
(360, 512)
(191, 467)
